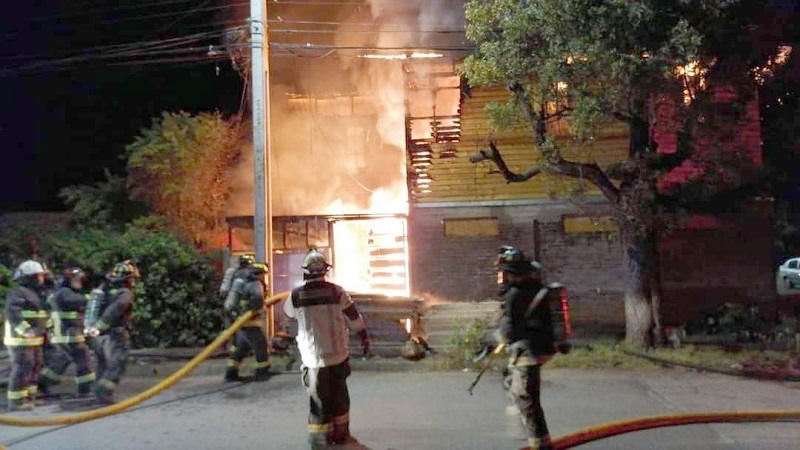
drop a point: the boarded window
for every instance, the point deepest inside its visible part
(588, 224)
(477, 227)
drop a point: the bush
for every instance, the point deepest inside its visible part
(176, 296)
(468, 337)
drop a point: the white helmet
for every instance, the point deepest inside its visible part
(28, 268)
(315, 264)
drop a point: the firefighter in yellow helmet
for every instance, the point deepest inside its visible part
(25, 320)
(248, 294)
(320, 309)
(112, 328)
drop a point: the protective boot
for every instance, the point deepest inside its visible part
(232, 375)
(318, 441)
(103, 394)
(543, 443)
(20, 405)
(262, 374)
(84, 390)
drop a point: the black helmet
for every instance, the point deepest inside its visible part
(70, 274)
(247, 260)
(515, 261)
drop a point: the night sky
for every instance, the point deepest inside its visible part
(63, 127)
(59, 128)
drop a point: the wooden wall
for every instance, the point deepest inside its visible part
(456, 179)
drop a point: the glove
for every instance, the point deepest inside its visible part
(30, 334)
(364, 342)
(563, 347)
(92, 332)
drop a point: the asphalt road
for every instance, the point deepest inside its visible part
(428, 411)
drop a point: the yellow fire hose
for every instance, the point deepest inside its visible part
(648, 423)
(67, 419)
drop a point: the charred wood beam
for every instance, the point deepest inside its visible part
(591, 172)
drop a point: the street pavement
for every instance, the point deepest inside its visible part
(428, 411)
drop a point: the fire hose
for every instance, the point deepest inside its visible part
(127, 403)
(648, 423)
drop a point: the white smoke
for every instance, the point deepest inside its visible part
(325, 159)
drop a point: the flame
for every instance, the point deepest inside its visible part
(762, 74)
(403, 56)
(371, 256)
(693, 78)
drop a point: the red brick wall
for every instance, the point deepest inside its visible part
(703, 268)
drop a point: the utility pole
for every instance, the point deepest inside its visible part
(259, 66)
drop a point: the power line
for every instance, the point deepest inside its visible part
(106, 10)
(126, 45)
(139, 18)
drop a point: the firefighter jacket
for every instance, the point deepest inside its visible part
(527, 326)
(24, 312)
(247, 294)
(322, 332)
(115, 311)
(67, 309)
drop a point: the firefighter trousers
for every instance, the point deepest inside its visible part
(329, 416)
(22, 377)
(59, 357)
(111, 352)
(247, 340)
(525, 389)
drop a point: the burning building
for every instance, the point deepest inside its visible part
(372, 130)
(339, 136)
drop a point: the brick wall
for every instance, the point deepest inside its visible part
(460, 269)
(701, 267)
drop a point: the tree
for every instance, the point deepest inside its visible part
(596, 62)
(102, 205)
(179, 167)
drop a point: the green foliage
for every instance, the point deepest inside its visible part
(6, 283)
(176, 304)
(468, 337)
(178, 166)
(176, 296)
(105, 204)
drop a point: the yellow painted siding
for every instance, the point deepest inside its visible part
(456, 179)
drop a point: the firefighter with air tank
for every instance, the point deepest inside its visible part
(247, 293)
(112, 327)
(67, 308)
(533, 328)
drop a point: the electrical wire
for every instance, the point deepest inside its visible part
(140, 18)
(107, 10)
(125, 45)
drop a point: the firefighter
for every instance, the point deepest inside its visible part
(67, 309)
(24, 334)
(527, 329)
(250, 338)
(234, 273)
(111, 331)
(320, 308)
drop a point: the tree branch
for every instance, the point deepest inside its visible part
(493, 155)
(591, 172)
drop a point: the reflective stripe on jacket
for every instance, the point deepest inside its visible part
(67, 311)
(23, 313)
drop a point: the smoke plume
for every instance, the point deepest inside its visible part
(338, 119)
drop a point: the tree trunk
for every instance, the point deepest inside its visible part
(639, 312)
(658, 330)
